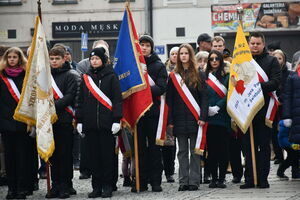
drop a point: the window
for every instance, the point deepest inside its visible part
(59, 2)
(12, 34)
(173, 2)
(118, 1)
(10, 2)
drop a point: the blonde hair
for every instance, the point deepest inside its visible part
(192, 75)
(201, 54)
(22, 59)
(280, 52)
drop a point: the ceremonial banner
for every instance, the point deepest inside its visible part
(36, 105)
(130, 66)
(245, 96)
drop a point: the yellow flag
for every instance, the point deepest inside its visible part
(36, 105)
(245, 97)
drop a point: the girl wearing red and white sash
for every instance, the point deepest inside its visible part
(182, 119)
(17, 142)
(218, 121)
(99, 113)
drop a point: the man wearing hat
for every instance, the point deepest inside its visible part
(204, 42)
(150, 158)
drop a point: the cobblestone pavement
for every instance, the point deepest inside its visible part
(279, 190)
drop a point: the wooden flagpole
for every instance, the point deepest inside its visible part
(47, 163)
(135, 139)
(240, 15)
(253, 155)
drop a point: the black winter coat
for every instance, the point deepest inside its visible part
(8, 106)
(90, 112)
(68, 82)
(272, 68)
(291, 105)
(179, 114)
(158, 72)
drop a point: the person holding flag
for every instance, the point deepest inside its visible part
(98, 114)
(150, 158)
(15, 135)
(268, 71)
(188, 105)
(218, 121)
(65, 87)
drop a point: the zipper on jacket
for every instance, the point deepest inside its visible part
(98, 107)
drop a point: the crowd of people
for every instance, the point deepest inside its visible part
(87, 141)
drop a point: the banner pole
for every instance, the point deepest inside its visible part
(253, 155)
(136, 156)
(48, 176)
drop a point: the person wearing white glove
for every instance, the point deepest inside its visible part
(213, 110)
(115, 128)
(287, 123)
(101, 121)
(218, 122)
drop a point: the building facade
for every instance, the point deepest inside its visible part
(170, 22)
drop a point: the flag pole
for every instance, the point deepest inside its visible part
(253, 155)
(240, 16)
(47, 163)
(135, 139)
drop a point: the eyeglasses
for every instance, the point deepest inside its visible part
(214, 59)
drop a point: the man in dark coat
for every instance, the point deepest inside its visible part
(150, 161)
(262, 133)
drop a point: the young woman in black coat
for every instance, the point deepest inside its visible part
(181, 118)
(17, 142)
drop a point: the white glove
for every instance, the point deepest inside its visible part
(115, 128)
(213, 110)
(32, 132)
(79, 128)
(287, 123)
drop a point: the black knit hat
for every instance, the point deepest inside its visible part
(147, 38)
(100, 52)
(204, 37)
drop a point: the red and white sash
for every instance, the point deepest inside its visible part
(97, 93)
(12, 88)
(273, 104)
(216, 85)
(163, 118)
(58, 95)
(193, 106)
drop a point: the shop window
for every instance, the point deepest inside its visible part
(10, 2)
(59, 2)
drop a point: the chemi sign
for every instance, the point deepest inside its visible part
(94, 29)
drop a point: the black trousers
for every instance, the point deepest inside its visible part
(291, 160)
(150, 157)
(276, 148)
(62, 158)
(217, 144)
(85, 161)
(76, 148)
(17, 156)
(102, 154)
(262, 137)
(168, 156)
(235, 149)
(33, 160)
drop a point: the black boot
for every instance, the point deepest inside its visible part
(95, 193)
(127, 181)
(21, 195)
(107, 191)
(11, 194)
(53, 193)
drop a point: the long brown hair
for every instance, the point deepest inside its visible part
(192, 75)
(22, 59)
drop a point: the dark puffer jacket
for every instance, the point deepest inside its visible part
(291, 105)
(179, 114)
(68, 82)
(272, 68)
(90, 112)
(8, 106)
(158, 73)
